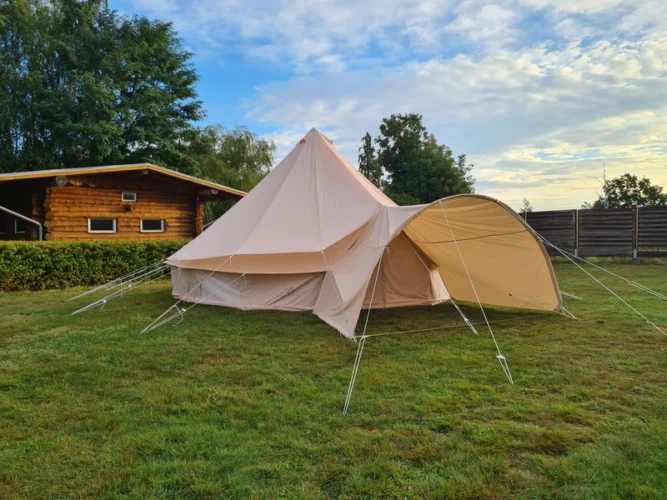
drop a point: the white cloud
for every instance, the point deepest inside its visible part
(539, 119)
(539, 93)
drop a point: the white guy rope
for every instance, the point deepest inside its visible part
(605, 287)
(181, 312)
(362, 341)
(632, 283)
(458, 309)
(451, 327)
(501, 359)
(187, 294)
(155, 275)
(119, 281)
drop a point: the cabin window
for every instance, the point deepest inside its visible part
(19, 226)
(152, 226)
(101, 225)
(126, 196)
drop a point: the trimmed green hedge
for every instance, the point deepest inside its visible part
(52, 264)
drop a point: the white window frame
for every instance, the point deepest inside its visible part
(122, 196)
(16, 221)
(115, 225)
(164, 226)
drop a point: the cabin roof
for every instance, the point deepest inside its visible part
(40, 174)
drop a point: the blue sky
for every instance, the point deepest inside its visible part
(540, 94)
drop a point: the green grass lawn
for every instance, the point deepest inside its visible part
(248, 404)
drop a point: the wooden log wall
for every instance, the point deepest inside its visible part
(622, 232)
(68, 209)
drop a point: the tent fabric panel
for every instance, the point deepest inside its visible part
(406, 278)
(506, 263)
(184, 282)
(281, 263)
(342, 295)
(291, 210)
(296, 292)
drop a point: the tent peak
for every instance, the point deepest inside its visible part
(312, 133)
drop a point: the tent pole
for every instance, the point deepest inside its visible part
(570, 295)
(362, 340)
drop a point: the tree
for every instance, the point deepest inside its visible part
(526, 207)
(419, 169)
(368, 162)
(83, 85)
(233, 157)
(628, 191)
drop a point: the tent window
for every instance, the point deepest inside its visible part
(152, 226)
(126, 196)
(101, 225)
(19, 226)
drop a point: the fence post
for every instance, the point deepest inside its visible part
(635, 235)
(576, 232)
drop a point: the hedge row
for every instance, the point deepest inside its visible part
(49, 264)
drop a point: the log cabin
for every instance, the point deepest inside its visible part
(137, 202)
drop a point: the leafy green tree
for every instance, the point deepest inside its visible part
(629, 191)
(368, 161)
(233, 157)
(419, 169)
(83, 85)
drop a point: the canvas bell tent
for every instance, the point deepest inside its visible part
(316, 235)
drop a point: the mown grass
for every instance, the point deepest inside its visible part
(248, 404)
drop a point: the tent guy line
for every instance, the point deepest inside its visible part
(181, 312)
(453, 327)
(129, 277)
(580, 259)
(126, 287)
(564, 254)
(458, 309)
(501, 359)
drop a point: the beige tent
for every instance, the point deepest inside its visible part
(316, 235)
